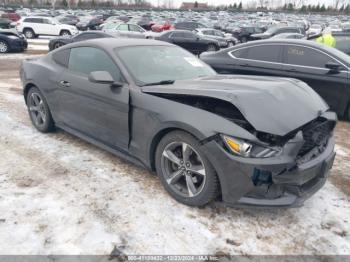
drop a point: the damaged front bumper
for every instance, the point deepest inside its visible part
(275, 182)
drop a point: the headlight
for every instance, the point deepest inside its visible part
(248, 149)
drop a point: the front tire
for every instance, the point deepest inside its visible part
(185, 172)
(4, 47)
(39, 111)
(211, 48)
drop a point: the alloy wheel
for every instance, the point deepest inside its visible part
(183, 169)
(3, 47)
(211, 48)
(37, 109)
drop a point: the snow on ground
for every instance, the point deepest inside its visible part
(61, 195)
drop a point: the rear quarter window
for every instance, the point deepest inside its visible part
(61, 57)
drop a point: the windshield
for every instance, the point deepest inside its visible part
(154, 64)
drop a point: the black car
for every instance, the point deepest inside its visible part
(89, 23)
(12, 41)
(190, 41)
(189, 25)
(323, 68)
(272, 31)
(246, 139)
(243, 33)
(61, 41)
(342, 41)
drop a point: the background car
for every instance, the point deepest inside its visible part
(11, 40)
(14, 17)
(189, 41)
(224, 40)
(33, 26)
(125, 30)
(289, 36)
(277, 30)
(160, 26)
(243, 33)
(89, 23)
(5, 23)
(58, 42)
(327, 72)
(189, 25)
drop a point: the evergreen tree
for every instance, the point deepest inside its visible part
(195, 4)
(234, 6)
(240, 6)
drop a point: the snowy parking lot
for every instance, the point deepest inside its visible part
(61, 195)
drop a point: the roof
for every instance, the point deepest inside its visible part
(112, 43)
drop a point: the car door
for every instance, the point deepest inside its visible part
(96, 110)
(136, 31)
(123, 30)
(177, 38)
(48, 28)
(193, 43)
(309, 65)
(263, 59)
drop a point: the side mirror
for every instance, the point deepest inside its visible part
(333, 66)
(103, 77)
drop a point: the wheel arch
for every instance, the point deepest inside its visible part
(26, 89)
(158, 137)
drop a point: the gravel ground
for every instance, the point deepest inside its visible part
(61, 195)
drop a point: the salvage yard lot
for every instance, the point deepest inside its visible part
(61, 195)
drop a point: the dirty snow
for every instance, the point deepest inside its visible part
(61, 195)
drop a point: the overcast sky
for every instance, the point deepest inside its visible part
(177, 3)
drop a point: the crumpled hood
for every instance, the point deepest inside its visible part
(273, 105)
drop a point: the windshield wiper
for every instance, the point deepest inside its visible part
(163, 82)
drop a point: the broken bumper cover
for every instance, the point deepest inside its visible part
(290, 184)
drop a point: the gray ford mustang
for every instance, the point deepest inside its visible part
(247, 140)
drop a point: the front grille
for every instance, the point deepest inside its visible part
(316, 134)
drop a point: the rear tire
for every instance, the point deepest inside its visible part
(4, 47)
(192, 181)
(244, 39)
(65, 33)
(39, 111)
(29, 33)
(347, 113)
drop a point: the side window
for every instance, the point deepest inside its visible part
(46, 21)
(298, 55)
(134, 28)
(342, 43)
(37, 20)
(189, 35)
(123, 27)
(61, 57)
(89, 59)
(177, 35)
(266, 53)
(240, 53)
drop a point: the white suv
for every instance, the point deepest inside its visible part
(33, 26)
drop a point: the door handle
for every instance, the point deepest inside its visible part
(64, 83)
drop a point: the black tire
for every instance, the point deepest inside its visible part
(29, 33)
(57, 45)
(65, 33)
(4, 47)
(211, 48)
(39, 110)
(208, 185)
(244, 39)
